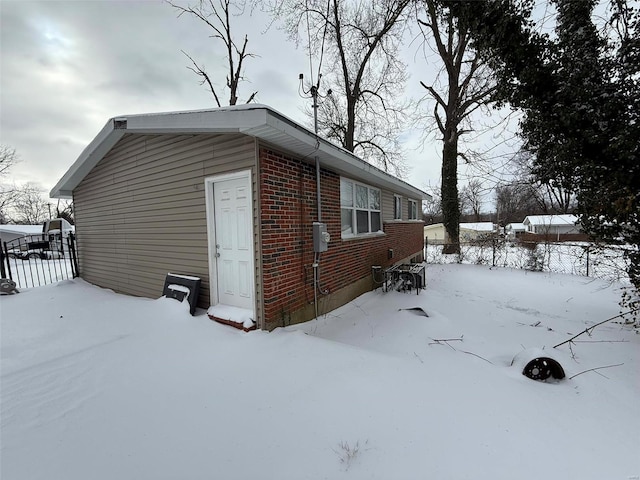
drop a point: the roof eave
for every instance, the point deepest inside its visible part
(258, 121)
(89, 158)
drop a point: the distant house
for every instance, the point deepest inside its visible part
(11, 232)
(469, 232)
(554, 227)
(551, 224)
(513, 230)
(231, 196)
(435, 233)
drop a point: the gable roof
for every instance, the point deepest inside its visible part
(478, 226)
(21, 229)
(550, 220)
(516, 227)
(259, 121)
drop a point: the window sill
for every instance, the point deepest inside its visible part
(363, 236)
(414, 220)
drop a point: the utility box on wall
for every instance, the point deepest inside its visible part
(320, 237)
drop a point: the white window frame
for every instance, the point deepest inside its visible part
(354, 209)
(397, 207)
(413, 209)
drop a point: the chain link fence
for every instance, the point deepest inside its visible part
(578, 258)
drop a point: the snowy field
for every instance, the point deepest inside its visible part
(96, 385)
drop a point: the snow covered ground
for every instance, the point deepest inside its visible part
(96, 385)
(608, 263)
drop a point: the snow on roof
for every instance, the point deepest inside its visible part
(516, 226)
(23, 229)
(550, 220)
(433, 226)
(478, 226)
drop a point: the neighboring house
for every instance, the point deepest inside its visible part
(514, 230)
(11, 232)
(552, 225)
(230, 195)
(469, 232)
(434, 234)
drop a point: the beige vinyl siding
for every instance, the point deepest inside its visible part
(141, 213)
(387, 206)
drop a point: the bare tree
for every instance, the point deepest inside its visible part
(64, 209)
(8, 158)
(468, 86)
(551, 194)
(217, 15)
(30, 207)
(514, 201)
(8, 193)
(360, 41)
(432, 212)
(472, 197)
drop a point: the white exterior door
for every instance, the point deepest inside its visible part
(233, 248)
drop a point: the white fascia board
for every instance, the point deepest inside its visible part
(338, 159)
(258, 121)
(201, 121)
(88, 159)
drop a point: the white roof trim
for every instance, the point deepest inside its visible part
(258, 121)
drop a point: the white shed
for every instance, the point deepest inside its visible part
(11, 232)
(551, 224)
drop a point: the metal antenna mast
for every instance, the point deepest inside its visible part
(313, 93)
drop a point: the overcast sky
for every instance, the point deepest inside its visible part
(69, 66)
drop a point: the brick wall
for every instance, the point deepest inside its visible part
(289, 207)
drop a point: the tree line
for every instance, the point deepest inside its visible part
(26, 204)
(570, 72)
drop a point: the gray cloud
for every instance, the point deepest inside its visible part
(68, 66)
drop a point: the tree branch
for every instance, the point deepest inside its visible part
(205, 78)
(597, 368)
(590, 329)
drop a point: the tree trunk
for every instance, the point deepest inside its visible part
(349, 137)
(449, 191)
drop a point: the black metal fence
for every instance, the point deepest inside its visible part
(36, 260)
(609, 262)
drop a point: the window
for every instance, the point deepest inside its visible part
(397, 207)
(413, 210)
(359, 208)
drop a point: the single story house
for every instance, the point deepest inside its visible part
(469, 232)
(268, 215)
(434, 234)
(513, 230)
(11, 232)
(551, 225)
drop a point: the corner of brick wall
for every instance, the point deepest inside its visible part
(289, 207)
